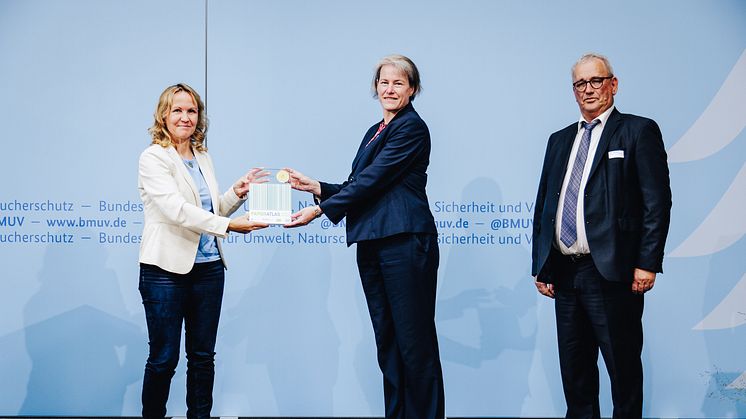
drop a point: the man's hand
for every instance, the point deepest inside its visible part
(643, 281)
(544, 289)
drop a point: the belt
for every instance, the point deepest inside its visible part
(577, 257)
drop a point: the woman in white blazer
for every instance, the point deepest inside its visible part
(181, 261)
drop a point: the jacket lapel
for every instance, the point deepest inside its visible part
(209, 175)
(363, 150)
(603, 144)
(181, 168)
(563, 152)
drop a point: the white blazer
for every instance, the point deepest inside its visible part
(174, 218)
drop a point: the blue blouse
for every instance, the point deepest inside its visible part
(208, 246)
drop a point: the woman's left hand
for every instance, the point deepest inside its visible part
(243, 225)
(243, 184)
(301, 182)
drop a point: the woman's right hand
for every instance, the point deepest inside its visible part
(243, 225)
(301, 182)
(242, 185)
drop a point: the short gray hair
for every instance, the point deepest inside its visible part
(589, 57)
(402, 63)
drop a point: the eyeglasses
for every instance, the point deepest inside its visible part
(595, 83)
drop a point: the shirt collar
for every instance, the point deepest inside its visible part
(601, 118)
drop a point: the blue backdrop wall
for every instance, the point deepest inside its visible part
(287, 84)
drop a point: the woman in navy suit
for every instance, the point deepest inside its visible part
(389, 218)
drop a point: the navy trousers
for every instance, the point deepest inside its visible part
(593, 313)
(193, 299)
(399, 277)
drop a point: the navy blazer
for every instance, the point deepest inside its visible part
(627, 200)
(384, 194)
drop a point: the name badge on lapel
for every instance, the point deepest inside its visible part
(616, 154)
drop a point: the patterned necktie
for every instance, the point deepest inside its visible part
(569, 231)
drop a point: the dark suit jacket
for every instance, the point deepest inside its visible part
(385, 192)
(627, 200)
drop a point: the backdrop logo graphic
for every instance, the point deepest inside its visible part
(719, 125)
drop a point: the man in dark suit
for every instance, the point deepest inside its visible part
(600, 226)
(389, 218)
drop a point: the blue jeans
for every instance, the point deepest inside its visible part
(170, 299)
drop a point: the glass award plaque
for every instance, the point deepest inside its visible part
(269, 202)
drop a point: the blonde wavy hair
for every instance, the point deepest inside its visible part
(159, 132)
